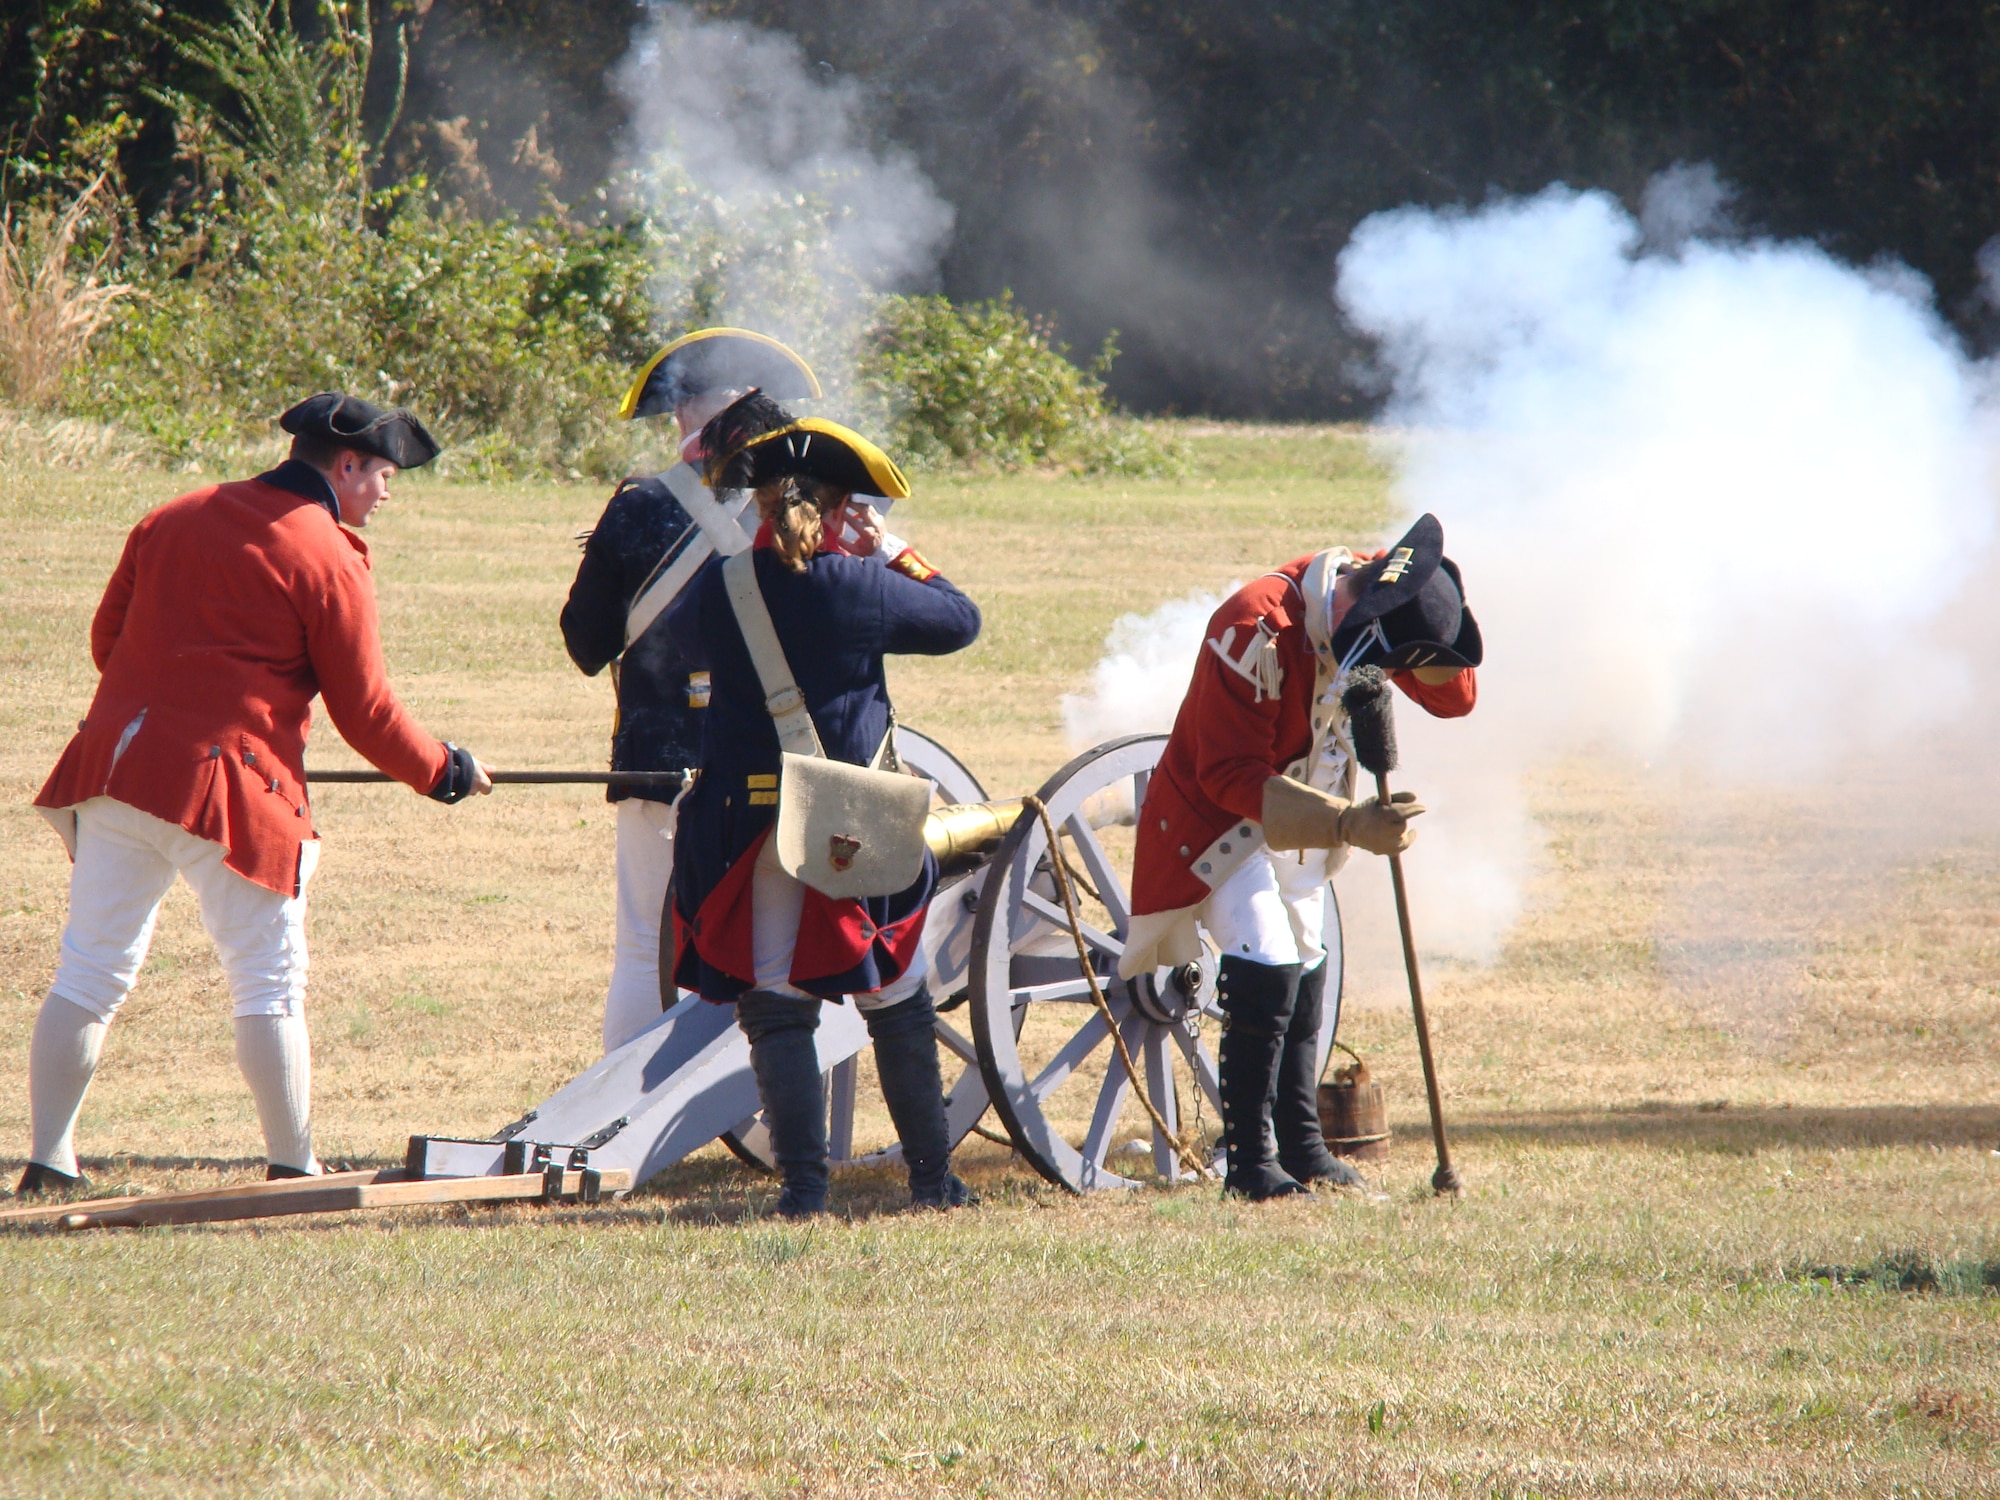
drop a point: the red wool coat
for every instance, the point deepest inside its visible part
(1229, 739)
(229, 610)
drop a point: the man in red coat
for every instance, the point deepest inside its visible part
(230, 609)
(1251, 810)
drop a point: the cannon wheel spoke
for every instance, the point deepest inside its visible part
(1111, 1095)
(1103, 874)
(1053, 914)
(1159, 1065)
(1075, 1052)
(1048, 994)
(956, 1042)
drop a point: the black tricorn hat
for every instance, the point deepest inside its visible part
(813, 448)
(1411, 608)
(391, 433)
(717, 359)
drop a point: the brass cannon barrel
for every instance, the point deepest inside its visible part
(964, 836)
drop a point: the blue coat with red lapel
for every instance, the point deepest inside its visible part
(836, 621)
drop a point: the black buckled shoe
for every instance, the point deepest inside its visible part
(953, 1192)
(38, 1179)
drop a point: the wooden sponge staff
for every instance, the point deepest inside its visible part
(1373, 728)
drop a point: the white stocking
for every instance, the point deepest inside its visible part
(61, 1059)
(274, 1055)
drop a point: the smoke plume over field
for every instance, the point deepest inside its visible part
(1724, 508)
(779, 213)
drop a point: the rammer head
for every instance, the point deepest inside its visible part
(1371, 720)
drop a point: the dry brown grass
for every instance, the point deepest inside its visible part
(49, 310)
(1702, 1255)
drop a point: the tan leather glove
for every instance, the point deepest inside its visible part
(1378, 829)
(1297, 816)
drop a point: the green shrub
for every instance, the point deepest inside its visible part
(514, 339)
(985, 383)
(285, 272)
(289, 275)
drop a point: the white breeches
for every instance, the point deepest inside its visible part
(1273, 909)
(126, 861)
(776, 902)
(645, 865)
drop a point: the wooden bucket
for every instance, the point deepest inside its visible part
(1353, 1115)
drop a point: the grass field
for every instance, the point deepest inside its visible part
(1698, 1257)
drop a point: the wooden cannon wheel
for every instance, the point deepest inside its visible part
(1044, 1049)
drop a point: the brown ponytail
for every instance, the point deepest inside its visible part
(796, 510)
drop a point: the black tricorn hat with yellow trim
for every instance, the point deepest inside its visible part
(1411, 607)
(717, 359)
(813, 448)
(391, 433)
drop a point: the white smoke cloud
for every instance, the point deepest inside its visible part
(780, 215)
(1687, 201)
(1138, 685)
(1720, 505)
(1698, 496)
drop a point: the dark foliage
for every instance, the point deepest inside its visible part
(1186, 173)
(80, 82)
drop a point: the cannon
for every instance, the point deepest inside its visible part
(1004, 964)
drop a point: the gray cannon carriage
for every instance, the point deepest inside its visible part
(1015, 1009)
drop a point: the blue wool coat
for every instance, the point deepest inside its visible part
(836, 622)
(659, 713)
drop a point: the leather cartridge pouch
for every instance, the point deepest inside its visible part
(847, 830)
(844, 830)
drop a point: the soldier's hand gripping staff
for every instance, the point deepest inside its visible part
(748, 931)
(1252, 809)
(652, 538)
(230, 609)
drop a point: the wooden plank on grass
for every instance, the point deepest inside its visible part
(319, 1196)
(55, 1213)
(333, 1193)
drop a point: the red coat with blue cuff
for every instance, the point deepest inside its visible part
(230, 608)
(835, 621)
(1232, 735)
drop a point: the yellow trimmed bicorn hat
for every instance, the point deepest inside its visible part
(717, 359)
(813, 448)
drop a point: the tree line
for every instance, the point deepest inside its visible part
(1184, 173)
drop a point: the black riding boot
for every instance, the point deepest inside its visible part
(782, 1055)
(912, 1086)
(1295, 1113)
(1257, 1000)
